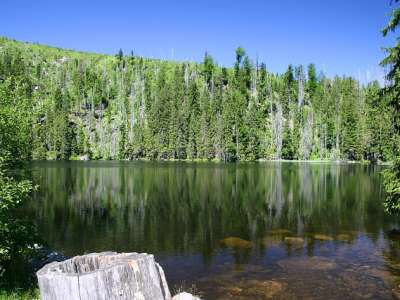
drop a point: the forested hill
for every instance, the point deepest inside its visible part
(70, 104)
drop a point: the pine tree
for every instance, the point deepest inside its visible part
(312, 83)
(392, 177)
(349, 126)
(116, 107)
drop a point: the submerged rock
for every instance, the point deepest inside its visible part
(396, 293)
(308, 263)
(297, 242)
(235, 242)
(355, 280)
(362, 285)
(322, 237)
(231, 290)
(253, 289)
(385, 275)
(343, 237)
(270, 241)
(262, 289)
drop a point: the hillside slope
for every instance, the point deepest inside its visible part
(78, 104)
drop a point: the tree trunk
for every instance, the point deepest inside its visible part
(106, 275)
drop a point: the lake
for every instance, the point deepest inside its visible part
(229, 231)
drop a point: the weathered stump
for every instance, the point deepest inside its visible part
(106, 275)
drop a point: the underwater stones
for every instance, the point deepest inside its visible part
(235, 242)
(270, 241)
(343, 237)
(262, 289)
(396, 292)
(361, 288)
(297, 242)
(253, 289)
(274, 237)
(358, 283)
(308, 263)
(385, 275)
(379, 273)
(322, 237)
(382, 273)
(232, 290)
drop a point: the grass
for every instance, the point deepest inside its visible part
(19, 294)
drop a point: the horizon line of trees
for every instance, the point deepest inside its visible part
(128, 107)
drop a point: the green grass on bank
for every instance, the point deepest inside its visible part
(19, 294)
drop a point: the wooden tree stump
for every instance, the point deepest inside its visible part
(106, 275)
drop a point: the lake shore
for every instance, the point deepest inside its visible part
(342, 161)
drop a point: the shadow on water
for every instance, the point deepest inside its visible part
(235, 231)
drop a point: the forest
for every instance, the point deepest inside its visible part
(61, 104)
(70, 105)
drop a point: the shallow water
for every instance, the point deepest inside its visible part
(229, 231)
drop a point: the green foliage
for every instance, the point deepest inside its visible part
(16, 96)
(30, 294)
(392, 61)
(208, 68)
(350, 140)
(378, 114)
(392, 187)
(312, 81)
(15, 121)
(393, 23)
(70, 104)
(17, 235)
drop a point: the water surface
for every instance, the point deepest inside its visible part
(229, 231)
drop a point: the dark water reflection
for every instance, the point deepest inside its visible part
(234, 231)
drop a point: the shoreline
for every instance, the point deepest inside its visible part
(311, 161)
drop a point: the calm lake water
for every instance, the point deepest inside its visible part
(229, 231)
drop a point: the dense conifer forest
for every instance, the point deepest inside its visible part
(69, 105)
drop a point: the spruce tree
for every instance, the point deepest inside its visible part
(392, 61)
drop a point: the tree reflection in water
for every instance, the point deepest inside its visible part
(182, 212)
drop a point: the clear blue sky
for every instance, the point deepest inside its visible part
(339, 36)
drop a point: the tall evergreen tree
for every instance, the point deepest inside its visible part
(117, 107)
(392, 61)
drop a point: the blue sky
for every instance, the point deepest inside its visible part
(339, 36)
